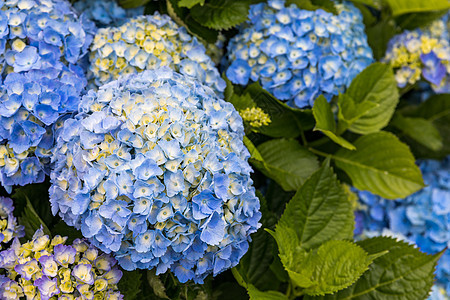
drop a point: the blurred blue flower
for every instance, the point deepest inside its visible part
(8, 223)
(422, 218)
(422, 53)
(154, 170)
(148, 42)
(297, 54)
(106, 13)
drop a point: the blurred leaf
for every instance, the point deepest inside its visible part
(325, 122)
(320, 211)
(130, 284)
(382, 165)
(285, 161)
(132, 3)
(256, 294)
(221, 14)
(379, 35)
(326, 5)
(414, 20)
(437, 111)
(399, 7)
(190, 3)
(419, 129)
(37, 194)
(32, 222)
(403, 273)
(375, 84)
(371, 3)
(156, 284)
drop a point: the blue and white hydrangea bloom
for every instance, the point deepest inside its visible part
(422, 53)
(154, 169)
(422, 218)
(38, 34)
(298, 54)
(9, 228)
(41, 45)
(148, 42)
(106, 13)
(46, 268)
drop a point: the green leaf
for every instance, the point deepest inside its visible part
(399, 7)
(285, 161)
(130, 284)
(375, 84)
(221, 14)
(382, 165)
(437, 111)
(379, 35)
(414, 20)
(326, 5)
(404, 273)
(335, 266)
(37, 194)
(32, 222)
(190, 3)
(256, 294)
(320, 211)
(325, 122)
(132, 3)
(419, 129)
(350, 111)
(285, 121)
(156, 284)
(370, 3)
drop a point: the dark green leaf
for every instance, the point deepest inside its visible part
(320, 211)
(325, 122)
(350, 111)
(375, 84)
(32, 222)
(399, 7)
(326, 5)
(419, 129)
(414, 20)
(130, 284)
(221, 14)
(285, 161)
(404, 273)
(379, 35)
(382, 165)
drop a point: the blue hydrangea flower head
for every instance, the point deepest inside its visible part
(422, 218)
(422, 54)
(148, 42)
(106, 13)
(33, 105)
(154, 169)
(38, 34)
(9, 228)
(45, 268)
(297, 54)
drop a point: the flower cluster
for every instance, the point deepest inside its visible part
(8, 223)
(38, 34)
(422, 53)
(45, 268)
(255, 116)
(422, 218)
(32, 107)
(148, 42)
(106, 13)
(154, 169)
(298, 54)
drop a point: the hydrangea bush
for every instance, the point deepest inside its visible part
(41, 43)
(422, 53)
(299, 54)
(106, 13)
(9, 228)
(422, 218)
(154, 170)
(148, 42)
(46, 268)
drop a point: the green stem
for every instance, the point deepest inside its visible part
(302, 135)
(315, 151)
(319, 142)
